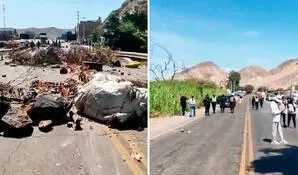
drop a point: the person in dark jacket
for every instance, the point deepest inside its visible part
(206, 103)
(261, 101)
(183, 101)
(253, 100)
(232, 103)
(222, 103)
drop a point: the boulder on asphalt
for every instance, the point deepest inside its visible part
(63, 70)
(49, 107)
(45, 125)
(4, 107)
(109, 99)
(16, 118)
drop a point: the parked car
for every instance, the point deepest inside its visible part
(226, 99)
(269, 97)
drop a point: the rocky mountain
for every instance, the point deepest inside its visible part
(283, 76)
(134, 6)
(252, 74)
(206, 71)
(131, 7)
(52, 32)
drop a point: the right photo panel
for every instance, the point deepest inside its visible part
(223, 87)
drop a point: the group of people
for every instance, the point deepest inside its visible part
(257, 99)
(192, 105)
(288, 106)
(207, 102)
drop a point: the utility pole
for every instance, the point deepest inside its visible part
(84, 37)
(78, 26)
(4, 25)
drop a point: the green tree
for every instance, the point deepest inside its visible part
(248, 88)
(70, 36)
(234, 80)
(128, 34)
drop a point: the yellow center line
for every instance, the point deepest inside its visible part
(132, 164)
(247, 144)
(250, 146)
(242, 169)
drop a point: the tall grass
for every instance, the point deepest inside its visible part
(165, 95)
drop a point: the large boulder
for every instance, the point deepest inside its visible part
(110, 99)
(49, 107)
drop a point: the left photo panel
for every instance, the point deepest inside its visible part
(73, 87)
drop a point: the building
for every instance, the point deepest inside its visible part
(7, 34)
(43, 39)
(86, 28)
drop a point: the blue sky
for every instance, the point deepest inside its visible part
(232, 34)
(54, 13)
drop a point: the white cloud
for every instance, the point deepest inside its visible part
(251, 33)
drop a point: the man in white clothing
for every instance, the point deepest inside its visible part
(192, 107)
(276, 126)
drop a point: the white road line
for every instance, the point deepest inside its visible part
(170, 130)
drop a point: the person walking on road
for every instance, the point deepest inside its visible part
(257, 102)
(214, 101)
(206, 103)
(222, 103)
(292, 113)
(240, 99)
(253, 101)
(183, 101)
(284, 112)
(276, 110)
(192, 107)
(261, 101)
(232, 103)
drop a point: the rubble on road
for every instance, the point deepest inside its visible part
(49, 107)
(110, 99)
(4, 107)
(45, 125)
(16, 118)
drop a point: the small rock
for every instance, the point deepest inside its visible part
(4, 75)
(13, 65)
(137, 156)
(119, 70)
(181, 130)
(114, 69)
(69, 124)
(188, 131)
(63, 70)
(45, 125)
(91, 127)
(122, 73)
(78, 125)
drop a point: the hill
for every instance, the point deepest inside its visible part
(283, 76)
(205, 71)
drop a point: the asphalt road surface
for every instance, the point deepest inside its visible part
(225, 144)
(61, 151)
